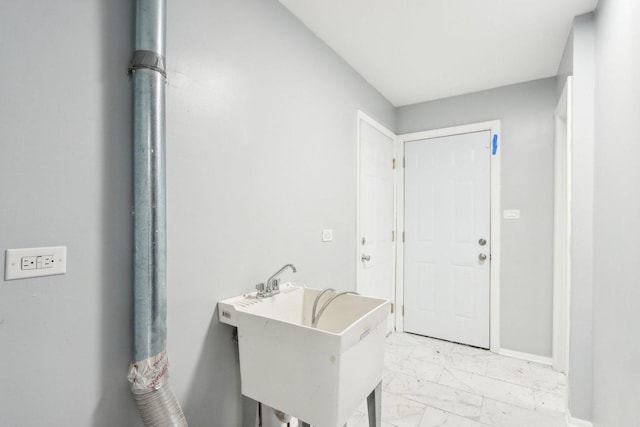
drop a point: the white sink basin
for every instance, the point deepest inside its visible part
(319, 375)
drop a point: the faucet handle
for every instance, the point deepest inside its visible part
(260, 288)
(275, 284)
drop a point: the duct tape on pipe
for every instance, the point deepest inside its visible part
(149, 60)
(149, 374)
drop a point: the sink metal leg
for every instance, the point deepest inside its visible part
(374, 406)
(249, 412)
(303, 424)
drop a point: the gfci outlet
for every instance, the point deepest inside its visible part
(35, 262)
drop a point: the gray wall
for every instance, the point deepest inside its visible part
(65, 180)
(526, 113)
(262, 155)
(617, 215)
(261, 143)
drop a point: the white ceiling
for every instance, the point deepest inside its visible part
(419, 50)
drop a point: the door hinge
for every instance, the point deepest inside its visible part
(403, 236)
(403, 311)
(393, 308)
(393, 163)
(393, 235)
(403, 162)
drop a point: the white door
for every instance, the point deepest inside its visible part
(376, 225)
(447, 238)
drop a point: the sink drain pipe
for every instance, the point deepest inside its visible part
(148, 373)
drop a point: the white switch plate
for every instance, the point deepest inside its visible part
(512, 214)
(327, 235)
(35, 262)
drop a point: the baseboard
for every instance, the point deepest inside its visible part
(577, 422)
(526, 356)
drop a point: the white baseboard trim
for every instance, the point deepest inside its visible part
(577, 422)
(526, 356)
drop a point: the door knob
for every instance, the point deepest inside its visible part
(365, 258)
(482, 242)
(482, 257)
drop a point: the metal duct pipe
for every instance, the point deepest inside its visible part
(148, 372)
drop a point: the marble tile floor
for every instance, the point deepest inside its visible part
(429, 383)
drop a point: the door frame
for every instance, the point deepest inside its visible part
(494, 275)
(363, 117)
(562, 230)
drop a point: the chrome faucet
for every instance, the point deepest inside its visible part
(273, 283)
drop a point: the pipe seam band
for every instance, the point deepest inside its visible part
(147, 59)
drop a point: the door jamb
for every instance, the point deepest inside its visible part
(562, 231)
(494, 304)
(363, 117)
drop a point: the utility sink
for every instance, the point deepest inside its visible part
(319, 375)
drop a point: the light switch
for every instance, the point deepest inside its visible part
(327, 235)
(35, 262)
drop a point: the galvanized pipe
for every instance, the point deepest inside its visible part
(151, 26)
(149, 368)
(150, 252)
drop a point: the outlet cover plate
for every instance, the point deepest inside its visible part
(35, 262)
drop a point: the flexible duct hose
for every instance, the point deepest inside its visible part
(160, 408)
